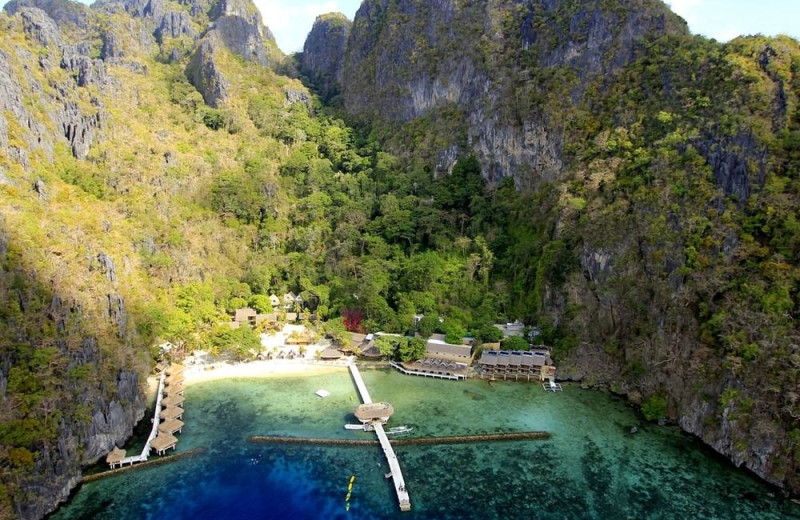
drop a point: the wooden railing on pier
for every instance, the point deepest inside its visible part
(154, 431)
(406, 371)
(391, 457)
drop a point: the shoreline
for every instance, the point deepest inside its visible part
(277, 368)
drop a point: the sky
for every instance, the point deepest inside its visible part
(291, 20)
(724, 20)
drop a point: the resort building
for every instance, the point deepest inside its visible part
(274, 301)
(529, 365)
(115, 457)
(442, 360)
(363, 345)
(511, 329)
(330, 354)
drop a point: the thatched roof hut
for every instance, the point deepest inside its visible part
(170, 427)
(171, 412)
(174, 369)
(330, 354)
(163, 442)
(176, 379)
(174, 389)
(300, 339)
(115, 457)
(374, 412)
(173, 400)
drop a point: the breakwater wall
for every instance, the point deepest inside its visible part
(154, 462)
(413, 441)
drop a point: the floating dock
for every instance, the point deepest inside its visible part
(388, 451)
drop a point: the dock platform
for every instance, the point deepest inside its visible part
(388, 451)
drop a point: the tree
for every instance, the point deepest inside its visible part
(454, 332)
(352, 319)
(412, 349)
(514, 343)
(240, 342)
(261, 303)
(489, 334)
(386, 346)
(336, 329)
(427, 326)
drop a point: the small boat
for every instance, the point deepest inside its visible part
(353, 426)
(387, 475)
(399, 430)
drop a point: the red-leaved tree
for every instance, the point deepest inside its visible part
(352, 319)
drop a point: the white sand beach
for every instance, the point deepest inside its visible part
(259, 369)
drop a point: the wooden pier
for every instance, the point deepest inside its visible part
(388, 451)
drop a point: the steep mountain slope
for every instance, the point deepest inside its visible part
(654, 240)
(468, 60)
(106, 154)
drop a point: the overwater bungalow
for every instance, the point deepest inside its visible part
(173, 400)
(171, 426)
(174, 389)
(516, 364)
(176, 379)
(171, 412)
(174, 369)
(115, 457)
(163, 442)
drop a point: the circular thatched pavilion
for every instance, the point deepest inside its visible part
(368, 413)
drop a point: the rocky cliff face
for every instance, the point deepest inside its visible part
(66, 392)
(495, 63)
(236, 27)
(324, 52)
(71, 367)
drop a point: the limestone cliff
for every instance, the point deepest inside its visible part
(236, 26)
(496, 64)
(324, 51)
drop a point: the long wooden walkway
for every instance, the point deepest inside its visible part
(146, 451)
(388, 451)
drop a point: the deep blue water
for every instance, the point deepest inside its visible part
(591, 468)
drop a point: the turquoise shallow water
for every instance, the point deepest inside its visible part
(591, 468)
